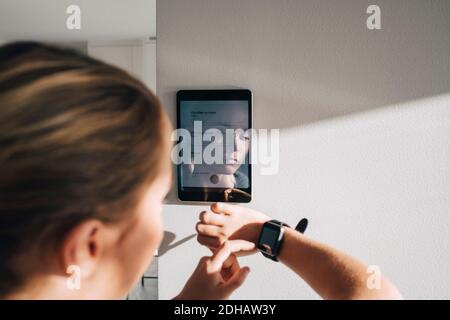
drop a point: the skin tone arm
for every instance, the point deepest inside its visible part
(331, 273)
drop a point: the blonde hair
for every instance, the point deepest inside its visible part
(75, 134)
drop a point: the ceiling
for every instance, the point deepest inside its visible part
(106, 20)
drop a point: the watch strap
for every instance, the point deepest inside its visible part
(301, 226)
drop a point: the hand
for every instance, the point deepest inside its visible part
(229, 222)
(217, 277)
(236, 194)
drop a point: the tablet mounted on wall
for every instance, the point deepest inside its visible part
(214, 143)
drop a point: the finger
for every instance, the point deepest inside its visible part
(219, 257)
(235, 281)
(246, 253)
(230, 262)
(230, 194)
(237, 246)
(230, 267)
(208, 217)
(226, 195)
(228, 248)
(246, 248)
(229, 209)
(208, 230)
(210, 242)
(201, 215)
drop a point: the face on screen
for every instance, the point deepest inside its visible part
(225, 139)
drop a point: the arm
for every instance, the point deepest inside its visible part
(331, 273)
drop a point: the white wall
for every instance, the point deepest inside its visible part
(45, 20)
(137, 57)
(365, 128)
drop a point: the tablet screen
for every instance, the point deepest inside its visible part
(217, 162)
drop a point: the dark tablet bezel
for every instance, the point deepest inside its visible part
(213, 194)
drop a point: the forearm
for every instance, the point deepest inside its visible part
(331, 273)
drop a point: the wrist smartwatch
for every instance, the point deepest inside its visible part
(271, 237)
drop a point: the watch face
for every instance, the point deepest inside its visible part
(269, 237)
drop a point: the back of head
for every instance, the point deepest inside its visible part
(76, 134)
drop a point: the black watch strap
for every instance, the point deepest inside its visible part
(301, 226)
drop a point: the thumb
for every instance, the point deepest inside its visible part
(235, 281)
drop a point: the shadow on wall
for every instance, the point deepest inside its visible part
(168, 243)
(305, 61)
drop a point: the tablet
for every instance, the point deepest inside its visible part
(213, 145)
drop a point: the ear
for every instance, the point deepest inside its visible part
(83, 247)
